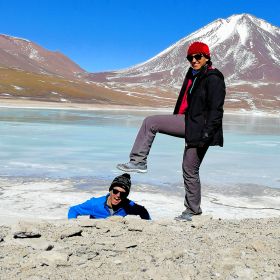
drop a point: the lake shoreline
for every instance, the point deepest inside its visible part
(21, 198)
(31, 104)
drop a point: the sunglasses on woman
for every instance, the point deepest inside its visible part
(122, 194)
(196, 56)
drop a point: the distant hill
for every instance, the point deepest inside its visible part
(23, 85)
(28, 56)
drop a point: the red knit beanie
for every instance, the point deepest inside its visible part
(199, 47)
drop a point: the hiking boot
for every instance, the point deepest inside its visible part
(133, 167)
(184, 217)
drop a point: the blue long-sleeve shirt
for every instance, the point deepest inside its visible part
(97, 208)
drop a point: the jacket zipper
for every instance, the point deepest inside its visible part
(192, 85)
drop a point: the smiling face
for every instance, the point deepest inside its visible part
(197, 60)
(117, 195)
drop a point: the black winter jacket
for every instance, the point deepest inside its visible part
(205, 108)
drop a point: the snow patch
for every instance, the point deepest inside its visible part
(17, 87)
(251, 104)
(243, 33)
(5, 94)
(233, 100)
(15, 38)
(34, 54)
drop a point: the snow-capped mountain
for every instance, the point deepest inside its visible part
(26, 55)
(246, 49)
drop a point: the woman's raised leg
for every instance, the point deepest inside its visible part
(173, 125)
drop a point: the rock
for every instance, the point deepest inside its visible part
(170, 255)
(117, 262)
(92, 255)
(78, 260)
(87, 223)
(25, 230)
(244, 273)
(97, 264)
(116, 232)
(257, 245)
(52, 258)
(130, 245)
(199, 221)
(105, 242)
(163, 223)
(117, 219)
(135, 227)
(135, 224)
(37, 244)
(269, 268)
(70, 232)
(103, 226)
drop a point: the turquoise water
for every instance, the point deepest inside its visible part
(88, 144)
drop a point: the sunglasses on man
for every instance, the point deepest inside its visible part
(197, 57)
(122, 194)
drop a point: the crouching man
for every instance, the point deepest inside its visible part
(115, 203)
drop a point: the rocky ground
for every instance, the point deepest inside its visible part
(130, 248)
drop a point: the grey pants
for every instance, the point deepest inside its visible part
(173, 125)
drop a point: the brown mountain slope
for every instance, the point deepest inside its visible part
(15, 83)
(28, 56)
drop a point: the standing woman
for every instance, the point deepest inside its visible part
(197, 117)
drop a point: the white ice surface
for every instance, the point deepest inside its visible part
(51, 200)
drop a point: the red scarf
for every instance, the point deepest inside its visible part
(184, 103)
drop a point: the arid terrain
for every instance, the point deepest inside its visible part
(130, 248)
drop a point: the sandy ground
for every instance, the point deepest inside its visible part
(30, 104)
(129, 248)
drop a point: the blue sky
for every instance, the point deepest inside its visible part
(104, 35)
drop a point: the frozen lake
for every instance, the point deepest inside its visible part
(51, 159)
(88, 144)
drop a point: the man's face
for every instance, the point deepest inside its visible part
(197, 60)
(117, 195)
